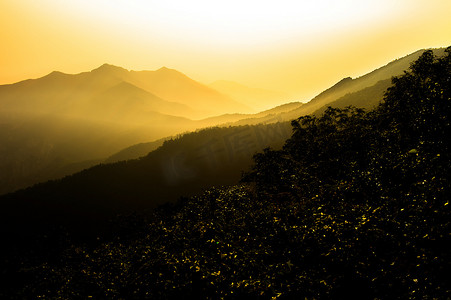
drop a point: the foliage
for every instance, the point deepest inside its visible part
(355, 205)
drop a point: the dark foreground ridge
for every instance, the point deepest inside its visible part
(355, 205)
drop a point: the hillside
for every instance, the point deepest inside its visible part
(125, 102)
(142, 149)
(366, 98)
(34, 147)
(174, 86)
(180, 167)
(135, 151)
(267, 116)
(349, 85)
(354, 206)
(365, 92)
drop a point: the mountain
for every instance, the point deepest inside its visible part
(135, 151)
(142, 149)
(58, 92)
(349, 85)
(364, 92)
(174, 86)
(355, 205)
(38, 148)
(259, 99)
(267, 116)
(178, 168)
(276, 114)
(64, 121)
(366, 98)
(128, 103)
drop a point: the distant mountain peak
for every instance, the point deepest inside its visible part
(346, 79)
(167, 70)
(107, 68)
(55, 74)
(338, 85)
(164, 69)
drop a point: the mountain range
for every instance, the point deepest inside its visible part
(63, 119)
(59, 124)
(350, 197)
(164, 91)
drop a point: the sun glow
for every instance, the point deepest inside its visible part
(229, 23)
(299, 47)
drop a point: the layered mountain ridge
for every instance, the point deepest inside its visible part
(52, 92)
(61, 120)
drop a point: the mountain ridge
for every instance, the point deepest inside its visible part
(349, 85)
(62, 91)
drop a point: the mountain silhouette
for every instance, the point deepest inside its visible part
(352, 204)
(366, 98)
(61, 122)
(349, 85)
(56, 91)
(365, 92)
(175, 86)
(128, 102)
(181, 166)
(192, 162)
(142, 149)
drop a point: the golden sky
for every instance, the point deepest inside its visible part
(300, 47)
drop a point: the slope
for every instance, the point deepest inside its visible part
(143, 149)
(60, 94)
(39, 148)
(184, 166)
(355, 206)
(128, 103)
(175, 86)
(366, 98)
(349, 85)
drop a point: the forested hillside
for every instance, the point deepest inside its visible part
(355, 205)
(182, 166)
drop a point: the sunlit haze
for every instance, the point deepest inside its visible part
(296, 47)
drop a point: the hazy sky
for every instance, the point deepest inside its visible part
(299, 47)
